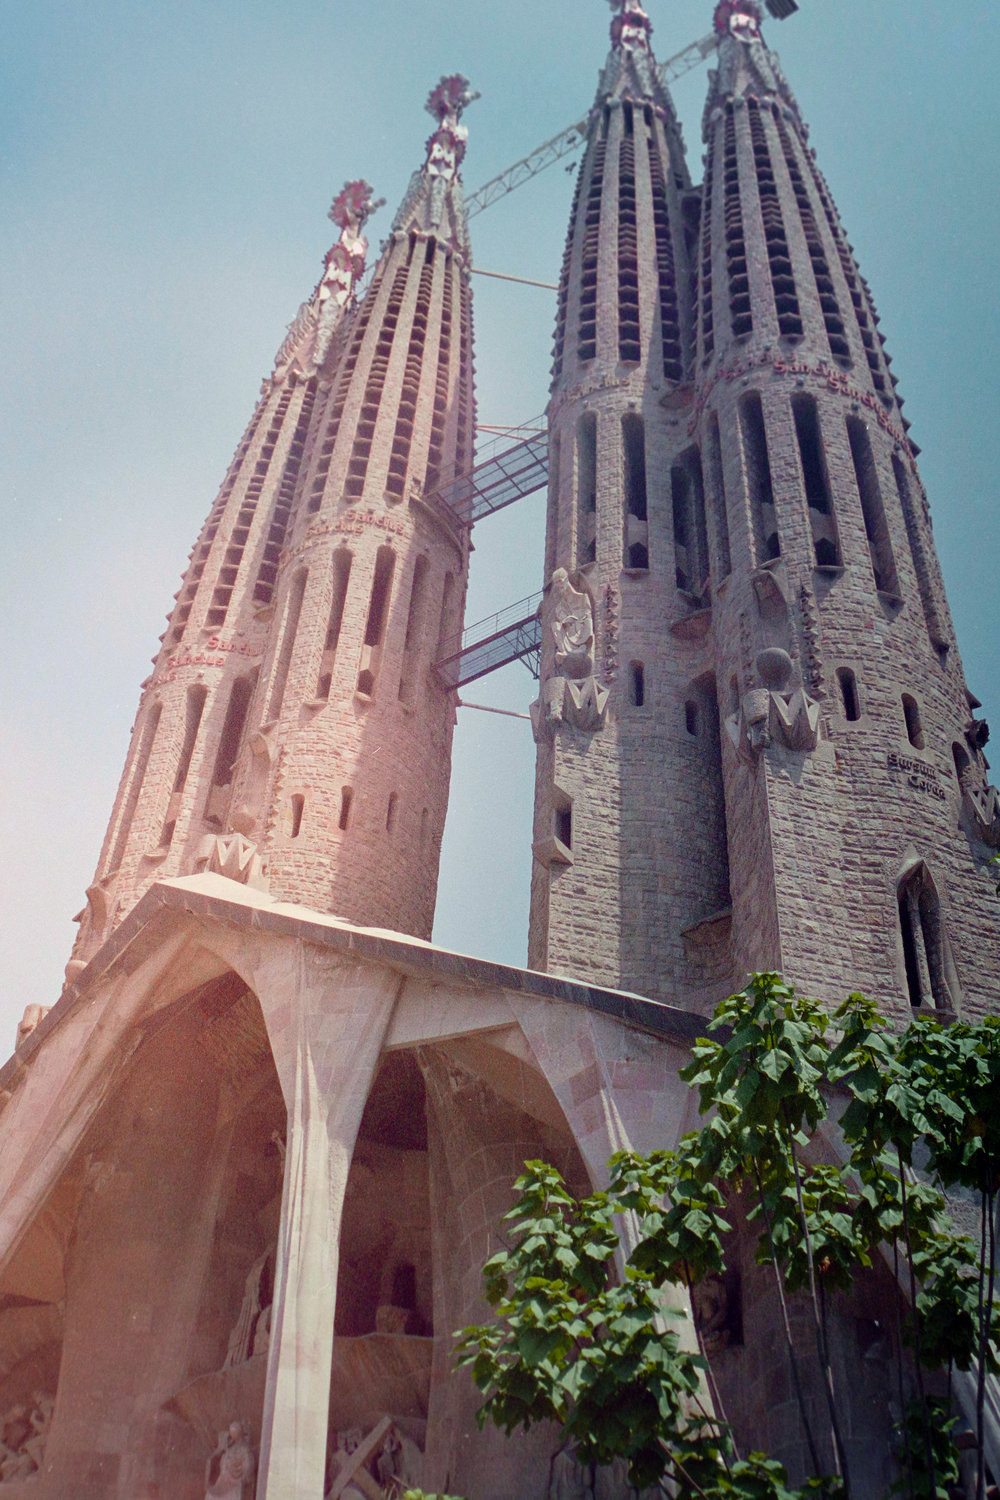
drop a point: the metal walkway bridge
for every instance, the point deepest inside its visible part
(507, 469)
(515, 634)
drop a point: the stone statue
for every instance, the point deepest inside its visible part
(32, 1015)
(24, 1433)
(568, 1479)
(232, 1465)
(388, 1464)
(241, 1338)
(572, 626)
(710, 1302)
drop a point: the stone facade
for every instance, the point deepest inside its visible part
(789, 747)
(258, 1152)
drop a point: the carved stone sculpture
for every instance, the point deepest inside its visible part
(710, 1302)
(232, 855)
(231, 1468)
(32, 1015)
(23, 1433)
(983, 807)
(241, 1340)
(572, 627)
(569, 1479)
(774, 713)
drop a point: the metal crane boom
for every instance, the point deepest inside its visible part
(543, 156)
(567, 140)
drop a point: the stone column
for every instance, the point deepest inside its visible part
(326, 1020)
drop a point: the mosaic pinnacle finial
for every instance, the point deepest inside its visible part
(345, 262)
(739, 18)
(446, 102)
(631, 27)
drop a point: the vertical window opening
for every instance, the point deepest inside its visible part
(872, 508)
(357, 467)
(446, 643)
(779, 258)
(924, 941)
(960, 756)
(691, 717)
(911, 715)
(717, 496)
(758, 469)
(710, 852)
(195, 707)
(636, 684)
(294, 610)
(586, 480)
(390, 812)
(849, 694)
(414, 627)
(138, 775)
(734, 694)
(690, 538)
(232, 730)
(826, 544)
(634, 455)
(670, 330)
(346, 798)
(378, 609)
(295, 821)
(706, 311)
(267, 572)
(552, 520)
(629, 339)
(740, 308)
(921, 561)
(562, 818)
(587, 323)
(342, 560)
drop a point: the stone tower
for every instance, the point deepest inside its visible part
(756, 746)
(291, 731)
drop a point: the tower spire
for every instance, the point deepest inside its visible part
(630, 26)
(307, 342)
(433, 202)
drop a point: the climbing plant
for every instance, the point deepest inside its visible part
(583, 1334)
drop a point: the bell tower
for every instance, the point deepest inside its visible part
(756, 746)
(292, 732)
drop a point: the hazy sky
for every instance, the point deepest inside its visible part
(166, 167)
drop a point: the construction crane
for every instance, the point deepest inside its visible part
(551, 151)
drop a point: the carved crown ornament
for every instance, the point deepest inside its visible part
(774, 713)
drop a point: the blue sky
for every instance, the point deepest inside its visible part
(165, 171)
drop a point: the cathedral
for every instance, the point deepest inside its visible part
(256, 1154)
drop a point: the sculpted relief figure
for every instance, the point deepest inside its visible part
(231, 1467)
(572, 626)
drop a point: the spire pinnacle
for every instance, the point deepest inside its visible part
(630, 27)
(345, 261)
(447, 101)
(739, 18)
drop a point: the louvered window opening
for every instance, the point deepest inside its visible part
(833, 317)
(740, 309)
(779, 258)
(705, 308)
(562, 300)
(199, 554)
(921, 560)
(629, 340)
(357, 468)
(439, 417)
(864, 309)
(267, 572)
(233, 556)
(670, 327)
(466, 405)
(402, 437)
(340, 399)
(587, 323)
